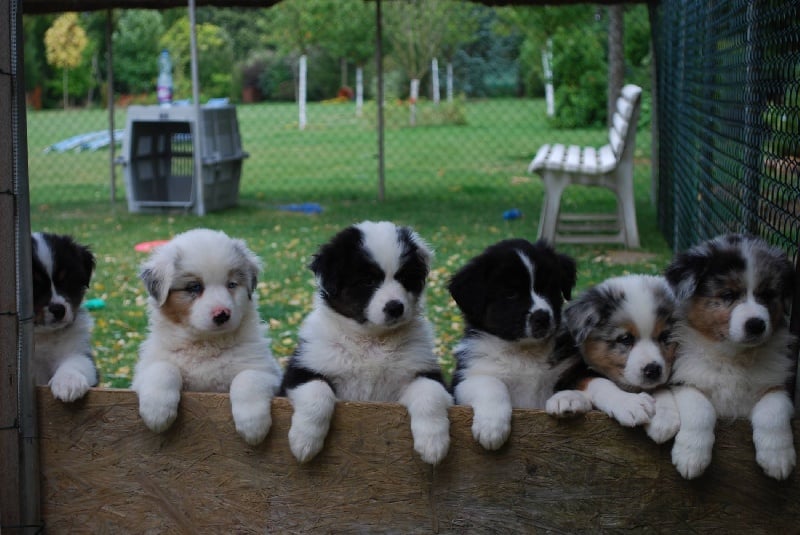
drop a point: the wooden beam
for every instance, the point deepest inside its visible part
(34, 7)
(103, 471)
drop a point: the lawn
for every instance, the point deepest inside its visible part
(451, 183)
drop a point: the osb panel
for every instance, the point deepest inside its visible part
(103, 471)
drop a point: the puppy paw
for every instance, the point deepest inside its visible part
(691, 455)
(306, 440)
(159, 411)
(491, 431)
(631, 410)
(567, 403)
(662, 428)
(664, 424)
(777, 463)
(432, 440)
(68, 385)
(253, 421)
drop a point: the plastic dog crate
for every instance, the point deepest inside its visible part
(159, 150)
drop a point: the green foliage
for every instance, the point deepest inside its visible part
(136, 50)
(580, 73)
(782, 118)
(215, 59)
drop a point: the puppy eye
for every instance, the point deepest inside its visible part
(767, 295)
(194, 288)
(729, 295)
(626, 339)
(232, 285)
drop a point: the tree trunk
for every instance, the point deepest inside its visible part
(616, 57)
(65, 86)
(343, 72)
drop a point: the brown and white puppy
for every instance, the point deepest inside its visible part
(734, 357)
(622, 329)
(205, 332)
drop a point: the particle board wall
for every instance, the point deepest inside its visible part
(104, 472)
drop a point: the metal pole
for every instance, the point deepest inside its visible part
(379, 98)
(112, 148)
(197, 135)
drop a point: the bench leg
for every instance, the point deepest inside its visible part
(627, 206)
(554, 185)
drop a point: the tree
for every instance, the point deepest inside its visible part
(64, 42)
(460, 26)
(136, 50)
(301, 24)
(415, 29)
(352, 38)
(215, 57)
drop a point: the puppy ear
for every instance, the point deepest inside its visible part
(582, 315)
(88, 261)
(158, 271)
(250, 262)
(424, 250)
(685, 273)
(468, 287)
(569, 275)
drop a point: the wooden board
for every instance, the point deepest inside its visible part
(103, 471)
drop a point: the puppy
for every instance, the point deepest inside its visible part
(622, 329)
(367, 339)
(734, 357)
(62, 353)
(510, 297)
(205, 333)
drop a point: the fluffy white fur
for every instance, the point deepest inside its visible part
(186, 349)
(374, 360)
(506, 374)
(61, 358)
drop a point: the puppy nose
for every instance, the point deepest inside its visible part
(652, 371)
(58, 311)
(221, 315)
(540, 322)
(393, 309)
(755, 326)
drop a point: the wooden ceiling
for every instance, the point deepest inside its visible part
(33, 7)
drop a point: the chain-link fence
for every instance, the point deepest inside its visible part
(480, 114)
(729, 113)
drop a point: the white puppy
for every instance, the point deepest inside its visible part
(205, 332)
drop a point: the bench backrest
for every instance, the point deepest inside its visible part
(622, 132)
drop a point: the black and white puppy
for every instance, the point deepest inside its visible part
(734, 357)
(622, 329)
(367, 339)
(510, 297)
(62, 352)
(205, 333)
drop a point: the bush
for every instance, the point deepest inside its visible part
(580, 78)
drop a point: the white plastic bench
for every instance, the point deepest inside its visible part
(610, 166)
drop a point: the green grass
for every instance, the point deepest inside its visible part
(451, 183)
